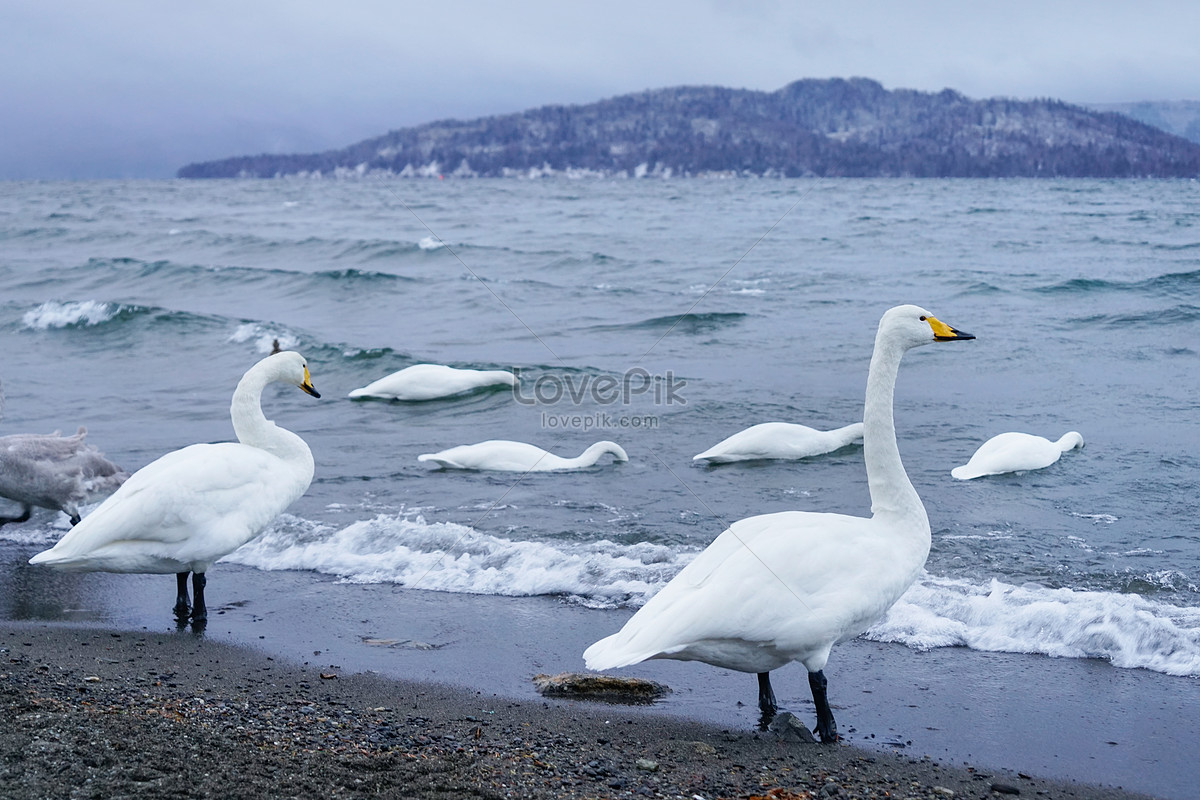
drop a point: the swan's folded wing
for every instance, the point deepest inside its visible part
(171, 498)
(767, 579)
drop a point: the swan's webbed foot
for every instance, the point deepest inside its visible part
(75, 519)
(183, 605)
(766, 700)
(826, 729)
(199, 611)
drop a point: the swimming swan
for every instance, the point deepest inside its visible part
(498, 454)
(190, 507)
(55, 472)
(433, 381)
(780, 440)
(1015, 452)
(789, 586)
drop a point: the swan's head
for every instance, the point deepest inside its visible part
(289, 366)
(1070, 440)
(913, 326)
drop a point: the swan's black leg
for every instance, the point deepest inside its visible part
(826, 727)
(183, 606)
(75, 518)
(766, 699)
(26, 511)
(199, 611)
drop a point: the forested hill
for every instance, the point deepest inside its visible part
(831, 127)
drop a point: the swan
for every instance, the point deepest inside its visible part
(506, 456)
(1015, 452)
(780, 440)
(55, 472)
(433, 381)
(185, 510)
(789, 586)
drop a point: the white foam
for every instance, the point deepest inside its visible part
(1125, 629)
(60, 315)
(403, 548)
(431, 243)
(264, 338)
(445, 556)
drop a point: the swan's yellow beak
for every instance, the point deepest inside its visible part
(307, 385)
(944, 333)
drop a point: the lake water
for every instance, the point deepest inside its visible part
(134, 307)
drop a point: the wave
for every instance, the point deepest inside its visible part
(1184, 284)
(1177, 315)
(1125, 629)
(445, 556)
(53, 314)
(682, 323)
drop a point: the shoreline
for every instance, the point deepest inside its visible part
(1072, 720)
(163, 714)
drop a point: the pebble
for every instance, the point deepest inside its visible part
(647, 764)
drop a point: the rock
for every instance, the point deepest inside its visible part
(647, 764)
(831, 790)
(943, 791)
(603, 688)
(787, 726)
(1004, 788)
(704, 748)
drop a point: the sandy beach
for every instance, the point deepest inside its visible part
(243, 707)
(105, 713)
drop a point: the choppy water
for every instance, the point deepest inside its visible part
(133, 308)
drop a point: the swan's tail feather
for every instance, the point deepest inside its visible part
(437, 459)
(964, 474)
(607, 654)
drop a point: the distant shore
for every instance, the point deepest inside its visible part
(136, 713)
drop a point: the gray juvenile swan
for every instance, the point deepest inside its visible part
(789, 586)
(190, 507)
(56, 472)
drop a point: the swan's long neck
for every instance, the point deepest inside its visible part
(590, 456)
(254, 429)
(848, 433)
(891, 491)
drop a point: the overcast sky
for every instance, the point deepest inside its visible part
(128, 88)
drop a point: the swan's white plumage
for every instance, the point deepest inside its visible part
(789, 586)
(432, 382)
(780, 440)
(53, 471)
(506, 456)
(1015, 452)
(190, 507)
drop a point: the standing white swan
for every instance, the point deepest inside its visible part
(506, 456)
(190, 507)
(789, 586)
(433, 382)
(56, 472)
(1015, 452)
(780, 440)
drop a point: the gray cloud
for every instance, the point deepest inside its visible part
(136, 89)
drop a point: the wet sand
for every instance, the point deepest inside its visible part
(102, 713)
